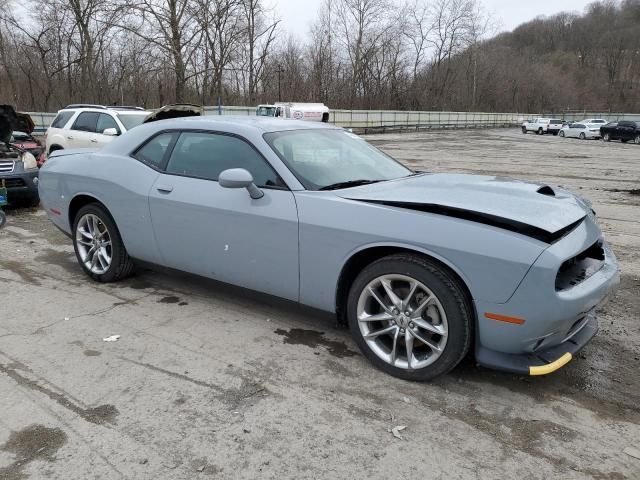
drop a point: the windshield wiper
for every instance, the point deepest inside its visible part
(350, 183)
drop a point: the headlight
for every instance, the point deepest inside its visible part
(29, 161)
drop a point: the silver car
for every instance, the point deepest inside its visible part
(582, 131)
(422, 267)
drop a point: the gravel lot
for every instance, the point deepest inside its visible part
(209, 381)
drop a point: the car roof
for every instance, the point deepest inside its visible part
(119, 111)
(250, 127)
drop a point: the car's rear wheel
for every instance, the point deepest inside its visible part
(524, 130)
(561, 133)
(3, 219)
(410, 317)
(637, 140)
(98, 245)
(540, 131)
(606, 137)
(583, 136)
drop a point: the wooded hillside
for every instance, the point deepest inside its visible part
(370, 54)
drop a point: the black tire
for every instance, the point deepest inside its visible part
(449, 292)
(583, 136)
(561, 134)
(34, 202)
(624, 140)
(637, 140)
(121, 264)
(3, 219)
(540, 131)
(606, 137)
(555, 133)
(524, 130)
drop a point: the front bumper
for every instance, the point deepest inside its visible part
(546, 318)
(545, 361)
(21, 184)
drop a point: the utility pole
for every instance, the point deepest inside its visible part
(280, 71)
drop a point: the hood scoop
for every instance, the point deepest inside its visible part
(546, 190)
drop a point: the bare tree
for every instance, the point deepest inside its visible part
(259, 36)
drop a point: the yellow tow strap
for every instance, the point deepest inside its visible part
(551, 367)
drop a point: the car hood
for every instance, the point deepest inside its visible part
(531, 208)
(175, 111)
(11, 120)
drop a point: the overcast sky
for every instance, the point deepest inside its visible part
(297, 15)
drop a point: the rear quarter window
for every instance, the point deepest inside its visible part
(61, 119)
(154, 152)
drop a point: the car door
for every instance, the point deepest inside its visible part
(574, 130)
(625, 130)
(83, 131)
(223, 233)
(105, 121)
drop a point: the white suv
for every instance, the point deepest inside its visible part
(90, 126)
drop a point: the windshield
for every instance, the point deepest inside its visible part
(322, 158)
(266, 112)
(132, 120)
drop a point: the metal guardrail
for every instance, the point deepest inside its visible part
(390, 120)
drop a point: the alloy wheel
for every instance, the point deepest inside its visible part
(94, 244)
(402, 321)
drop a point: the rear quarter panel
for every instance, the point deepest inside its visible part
(119, 182)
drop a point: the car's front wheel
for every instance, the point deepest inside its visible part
(583, 136)
(98, 245)
(410, 317)
(637, 140)
(606, 137)
(561, 133)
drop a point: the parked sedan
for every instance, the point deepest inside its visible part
(580, 130)
(624, 131)
(422, 267)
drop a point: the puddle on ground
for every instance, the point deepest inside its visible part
(35, 442)
(314, 339)
(99, 415)
(169, 299)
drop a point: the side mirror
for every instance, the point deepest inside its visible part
(240, 178)
(111, 132)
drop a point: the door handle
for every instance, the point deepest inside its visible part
(164, 188)
(69, 138)
(93, 140)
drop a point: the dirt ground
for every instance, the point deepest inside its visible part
(210, 381)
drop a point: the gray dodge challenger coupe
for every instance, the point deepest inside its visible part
(422, 267)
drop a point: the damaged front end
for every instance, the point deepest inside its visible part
(18, 167)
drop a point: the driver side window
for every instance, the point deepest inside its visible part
(206, 155)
